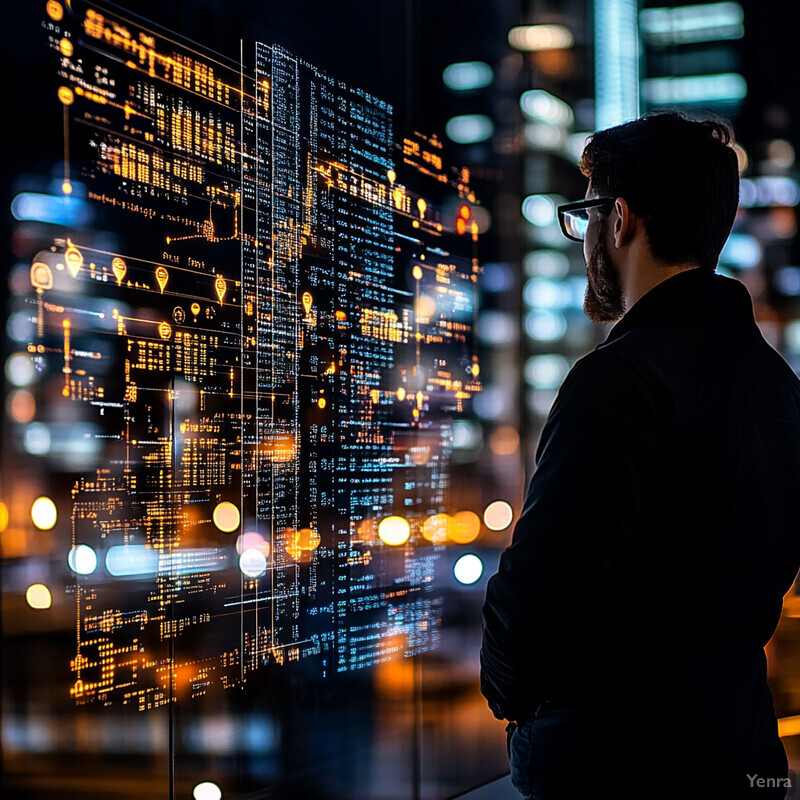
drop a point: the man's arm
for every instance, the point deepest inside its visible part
(595, 465)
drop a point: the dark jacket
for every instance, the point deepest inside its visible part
(660, 530)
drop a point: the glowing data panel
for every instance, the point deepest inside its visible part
(257, 317)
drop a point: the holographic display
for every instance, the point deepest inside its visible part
(258, 342)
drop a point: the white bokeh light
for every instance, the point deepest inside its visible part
(253, 563)
(468, 569)
(207, 791)
(82, 559)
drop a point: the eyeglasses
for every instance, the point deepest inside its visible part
(574, 217)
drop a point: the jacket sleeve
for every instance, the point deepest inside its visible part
(594, 467)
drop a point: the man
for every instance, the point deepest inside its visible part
(624, 631)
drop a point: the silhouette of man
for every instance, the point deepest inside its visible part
(624, 630)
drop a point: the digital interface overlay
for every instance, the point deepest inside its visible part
(251, 340)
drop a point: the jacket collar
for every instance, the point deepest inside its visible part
(692, 293)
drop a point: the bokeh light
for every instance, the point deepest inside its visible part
(253, 563)
(540, 37)
(36, 440)
(207, 791)
(469, 128)
(226, 517)
(44, 513)
(468, 569)
(38, 596)
(497, 516)
(22, 406)
(464, 527)
(302, 543)
(394, 531)
(504, 441)
(82, 559)
(435, 527)
(252, 540)
(20, 370)
(465, 76)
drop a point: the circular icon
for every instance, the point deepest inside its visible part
(66, 96)
(178, 315)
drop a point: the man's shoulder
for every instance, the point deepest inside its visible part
(609, 371)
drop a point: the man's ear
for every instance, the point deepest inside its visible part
(625, 223)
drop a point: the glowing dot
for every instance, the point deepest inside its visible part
(226, 517)
(434, 529)
(468, 569)
(38, 596)
(464, 527)
(65, 46)
(44, 513)
(82, 559)
(253, 563)
(321, 402)
(498, 515)
(3, 516)
(207, 791)
(422, 207)
(391, 175)
(401, 394)
(420, 399)
(66, 187)
(461, 226)
(464, 212)
(195, 308)
(66, 96)
(252, 541)
(417, 272)
(394, 531)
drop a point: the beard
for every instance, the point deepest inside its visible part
(603, 301)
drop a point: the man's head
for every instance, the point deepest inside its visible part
(676, 178)
(665, 191)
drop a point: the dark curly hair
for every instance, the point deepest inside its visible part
(678, 174)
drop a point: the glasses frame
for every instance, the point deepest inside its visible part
(582, 205)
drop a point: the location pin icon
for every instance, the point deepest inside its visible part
(220, 286)
(119, 268)
(74, 259)
(162, 276)
(307, 300)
